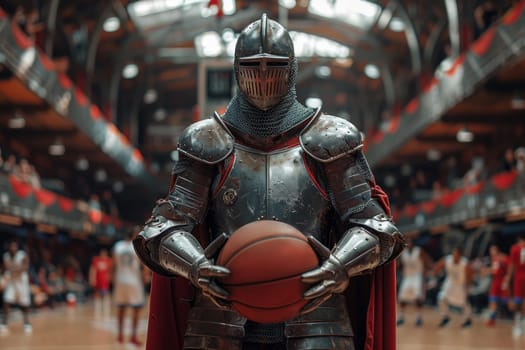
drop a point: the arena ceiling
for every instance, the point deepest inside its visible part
(362, 59)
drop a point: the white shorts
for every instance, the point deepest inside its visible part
(454, 294)
(17, 291)
(128, 295)
(411, 289)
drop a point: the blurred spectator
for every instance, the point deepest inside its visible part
(485, 15)
(99, 278)
(128, 284)
(437, 190)
(56, 286)
(422, 189)
(75, 282)
(519, 154)
(40, 288)
(9, 165)
(454, 290)
(94, 202)
(28, 21)
(475, 174)
(26, 172)
(478, 290)
(509, 162)
(108, 204)
(17, 289)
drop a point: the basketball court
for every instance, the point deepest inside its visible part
(77, 329)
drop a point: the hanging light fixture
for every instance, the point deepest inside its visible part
(57, 148)
(464, 135)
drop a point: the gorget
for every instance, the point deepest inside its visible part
(252, 121)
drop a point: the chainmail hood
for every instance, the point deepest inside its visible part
(253, 121)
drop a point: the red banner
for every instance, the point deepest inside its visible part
(429, 206)
(21, 188)
(450, 198)
(481, 45)
(45, 197)
(476, 188)
(504, 180)
(66, 204)
(95, 216)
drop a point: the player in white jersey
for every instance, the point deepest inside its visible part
(17, 290)
(413, 262)
(128, 285)
(453, 292)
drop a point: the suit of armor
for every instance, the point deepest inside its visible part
(269, 157)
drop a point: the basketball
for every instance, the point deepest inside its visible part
(266, 259)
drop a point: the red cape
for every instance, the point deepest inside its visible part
(374, 326)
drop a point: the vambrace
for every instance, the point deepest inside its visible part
(391, 241)
(149, 243)
(165, 244)
(358, 251)
(180, 252)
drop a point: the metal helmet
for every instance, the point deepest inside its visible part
(263, 61)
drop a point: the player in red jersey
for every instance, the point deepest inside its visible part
(499, 292)
(99, 278)
(516, 272)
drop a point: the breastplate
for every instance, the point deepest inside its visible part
(275, 186)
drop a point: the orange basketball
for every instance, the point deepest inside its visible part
(266, 259)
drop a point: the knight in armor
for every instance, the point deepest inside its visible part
(270, 157)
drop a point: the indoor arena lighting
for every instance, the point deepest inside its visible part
(433, 154)
(209, 44)
(118, 186)
(359, 13)
(323, 71)
(372, 71)
(82, 164)
(229, 7)
(111, 24)
(308, 45)
(16, 122)
(160, 114)
(464, 135)
(289, 4)
(101, 175)
(150, 96)
(396, 24)
(57, 148)
(130, 71)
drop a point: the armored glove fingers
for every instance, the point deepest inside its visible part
(204, 272)
(331, 277)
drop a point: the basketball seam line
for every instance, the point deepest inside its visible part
(262, 240)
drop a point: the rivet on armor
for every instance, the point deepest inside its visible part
(229, 197)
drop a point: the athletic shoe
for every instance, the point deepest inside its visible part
(490, 322)
(419, 322)
(28, 329)
(467, 323)
(444, 321)
(400, 321)
(3, 329)
(120, 339)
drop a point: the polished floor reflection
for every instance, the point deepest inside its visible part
(77, 328)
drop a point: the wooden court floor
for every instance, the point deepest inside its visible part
(78, 329)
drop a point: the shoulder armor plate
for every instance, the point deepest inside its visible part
(328, 138)
(208, 141)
